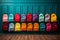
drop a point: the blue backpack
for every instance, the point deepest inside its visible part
(23, 18)
(11, 17)
(42, 27)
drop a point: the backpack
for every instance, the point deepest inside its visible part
(47, 17)
(41, 17)
(23, 18)
(11, 18)
(23, 27)
(36, 26)
(17, 27)
(29, 17)
(48, 27)
(53, 17)
(42, 26)
(11, 27)
(17, 18)
(5, 26)
(35, 18)
(5, 18)
(54, 27)
(29, 27)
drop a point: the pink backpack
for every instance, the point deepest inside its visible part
(5, 18)
(48, 26)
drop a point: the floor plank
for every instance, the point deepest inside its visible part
(28, 37)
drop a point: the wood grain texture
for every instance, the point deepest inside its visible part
(28, 37)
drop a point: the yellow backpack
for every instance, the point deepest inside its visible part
(17, 27)
(53, 17)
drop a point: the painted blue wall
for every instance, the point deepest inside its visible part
(28, 6)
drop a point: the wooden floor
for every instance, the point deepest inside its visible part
(28, 37)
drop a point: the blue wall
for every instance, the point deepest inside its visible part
(28, 6)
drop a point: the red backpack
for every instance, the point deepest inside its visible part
(17, 18)
(5, 27)
(54, 27)
(29, 17)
